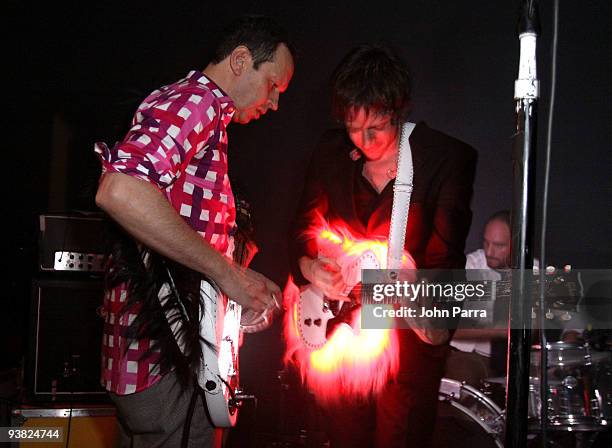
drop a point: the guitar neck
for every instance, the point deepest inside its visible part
(244, 249)
(566, 292)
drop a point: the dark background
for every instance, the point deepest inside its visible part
(77, 71)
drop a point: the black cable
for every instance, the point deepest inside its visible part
(542, 270)
(71, 373)
(69, 423)
(64, 239)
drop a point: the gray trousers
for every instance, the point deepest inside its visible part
(155, 417)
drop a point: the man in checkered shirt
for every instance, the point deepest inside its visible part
(166, 184)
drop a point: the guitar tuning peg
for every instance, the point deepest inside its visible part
(550, 270)
(567, 268)
(549, 314)
(533, 313)
(566, 316)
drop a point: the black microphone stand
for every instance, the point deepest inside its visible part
(526, 94)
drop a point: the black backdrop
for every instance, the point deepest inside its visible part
(78, 70)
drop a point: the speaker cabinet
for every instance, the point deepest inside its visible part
(63, 362)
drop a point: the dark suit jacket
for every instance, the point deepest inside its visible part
(439, 217)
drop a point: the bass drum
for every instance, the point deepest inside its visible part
(467, 418)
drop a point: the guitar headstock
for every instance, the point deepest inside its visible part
(563, 288)
(244, 214)
(245, 247)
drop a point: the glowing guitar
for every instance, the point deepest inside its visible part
(337, 359)
(318, 316)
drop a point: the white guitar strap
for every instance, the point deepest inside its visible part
(402, 190)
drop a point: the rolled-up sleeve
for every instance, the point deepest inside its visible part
(166, 133)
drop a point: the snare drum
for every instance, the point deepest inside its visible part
(602, 367)
(467, 418)
(574, 400)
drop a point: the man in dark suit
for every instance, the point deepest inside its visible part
(350, 182)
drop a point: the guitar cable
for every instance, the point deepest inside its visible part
(71, 373)
(542, 270)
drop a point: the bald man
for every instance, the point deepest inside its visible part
(470, 360)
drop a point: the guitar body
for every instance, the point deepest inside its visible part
(312, 317)
(337, 359)
(218, 375)
(221, 322)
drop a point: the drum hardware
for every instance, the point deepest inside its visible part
(475, 407)
(574, 397)
(495, 389)
(579, 395)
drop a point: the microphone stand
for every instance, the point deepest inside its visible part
(526, 94)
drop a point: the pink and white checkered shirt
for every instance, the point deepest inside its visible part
(177, 142)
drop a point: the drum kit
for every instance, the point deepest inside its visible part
(578, 400)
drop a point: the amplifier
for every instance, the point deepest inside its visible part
(65, 337)
(73, 242)
(91, 426)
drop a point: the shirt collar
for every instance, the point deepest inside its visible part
(227, 104)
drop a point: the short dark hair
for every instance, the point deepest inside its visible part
(500, 215)
(260, 34)
(372, 77)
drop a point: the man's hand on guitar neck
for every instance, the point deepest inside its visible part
(326, 275)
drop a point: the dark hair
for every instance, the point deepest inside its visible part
(372, 77)
(501, 215)
(260, 34)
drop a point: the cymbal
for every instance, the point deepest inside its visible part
(569, 354)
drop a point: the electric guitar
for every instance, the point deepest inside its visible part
(221, 328)
(318, 316)
(221, 322)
